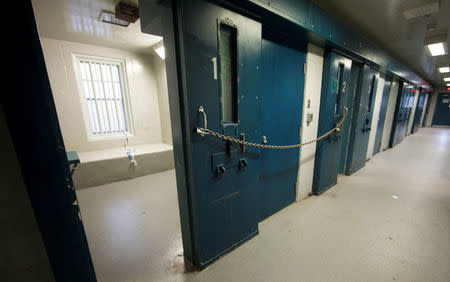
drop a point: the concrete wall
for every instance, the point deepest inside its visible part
(22, 256)
(375, 116)
(413, 112)
(113, 165)
(142, 77)
(313, 86)
(393, 93)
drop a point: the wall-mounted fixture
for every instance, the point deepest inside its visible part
(110, 17)
(127, 11)
(437, 45)
(159, 49)
(444, 69)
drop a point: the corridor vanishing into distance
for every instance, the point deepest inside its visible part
(199, 140)
(388, 221)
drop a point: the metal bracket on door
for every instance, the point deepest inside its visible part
(200, 130)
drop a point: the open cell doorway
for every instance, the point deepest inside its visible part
(109, 85)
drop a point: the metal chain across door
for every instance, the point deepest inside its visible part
(206, 131)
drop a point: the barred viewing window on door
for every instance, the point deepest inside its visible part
(105, 95)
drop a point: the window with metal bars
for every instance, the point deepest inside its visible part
(105, 95)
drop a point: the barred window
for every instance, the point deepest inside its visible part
(105, 94)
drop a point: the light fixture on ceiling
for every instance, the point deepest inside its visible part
(447, 78)
(437, 45)
(127, 11)
(444, 69)
(437, 49)
(448, 84)
(159, 49)
(110, 17)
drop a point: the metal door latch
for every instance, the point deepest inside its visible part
(243, 163)
(243, 147)
(309, 118)
(220, 170)
(200, 130)
(264, 139)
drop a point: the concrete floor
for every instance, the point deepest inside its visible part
(389, 221)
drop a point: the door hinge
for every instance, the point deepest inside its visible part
(304, 68)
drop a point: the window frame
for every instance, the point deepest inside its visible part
(228, 24)
(76, 59)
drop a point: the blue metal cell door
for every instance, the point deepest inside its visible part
(382, 116)
(426, 109)
(409, 107)
(221, 62)
(442, 111)
(398, 115)
(346, 126)
(401, 115)
(419, 111)
(335, 90)
(362, 117)
(282, 88)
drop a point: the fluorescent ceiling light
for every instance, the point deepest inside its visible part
(110, 17)
(446, 78)
(448, 84)
(436, 49)
(160, 51)
(444, 69)
(437, 45)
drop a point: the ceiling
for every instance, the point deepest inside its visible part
(384, 23)
(381, 21)
(77, 20)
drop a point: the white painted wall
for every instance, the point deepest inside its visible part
(393, 93)
(413, 112)
(143, 91)
(424, 109)
(159, 67)
(375, 116)
(313, 86)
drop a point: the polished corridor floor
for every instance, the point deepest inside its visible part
(390, 221)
